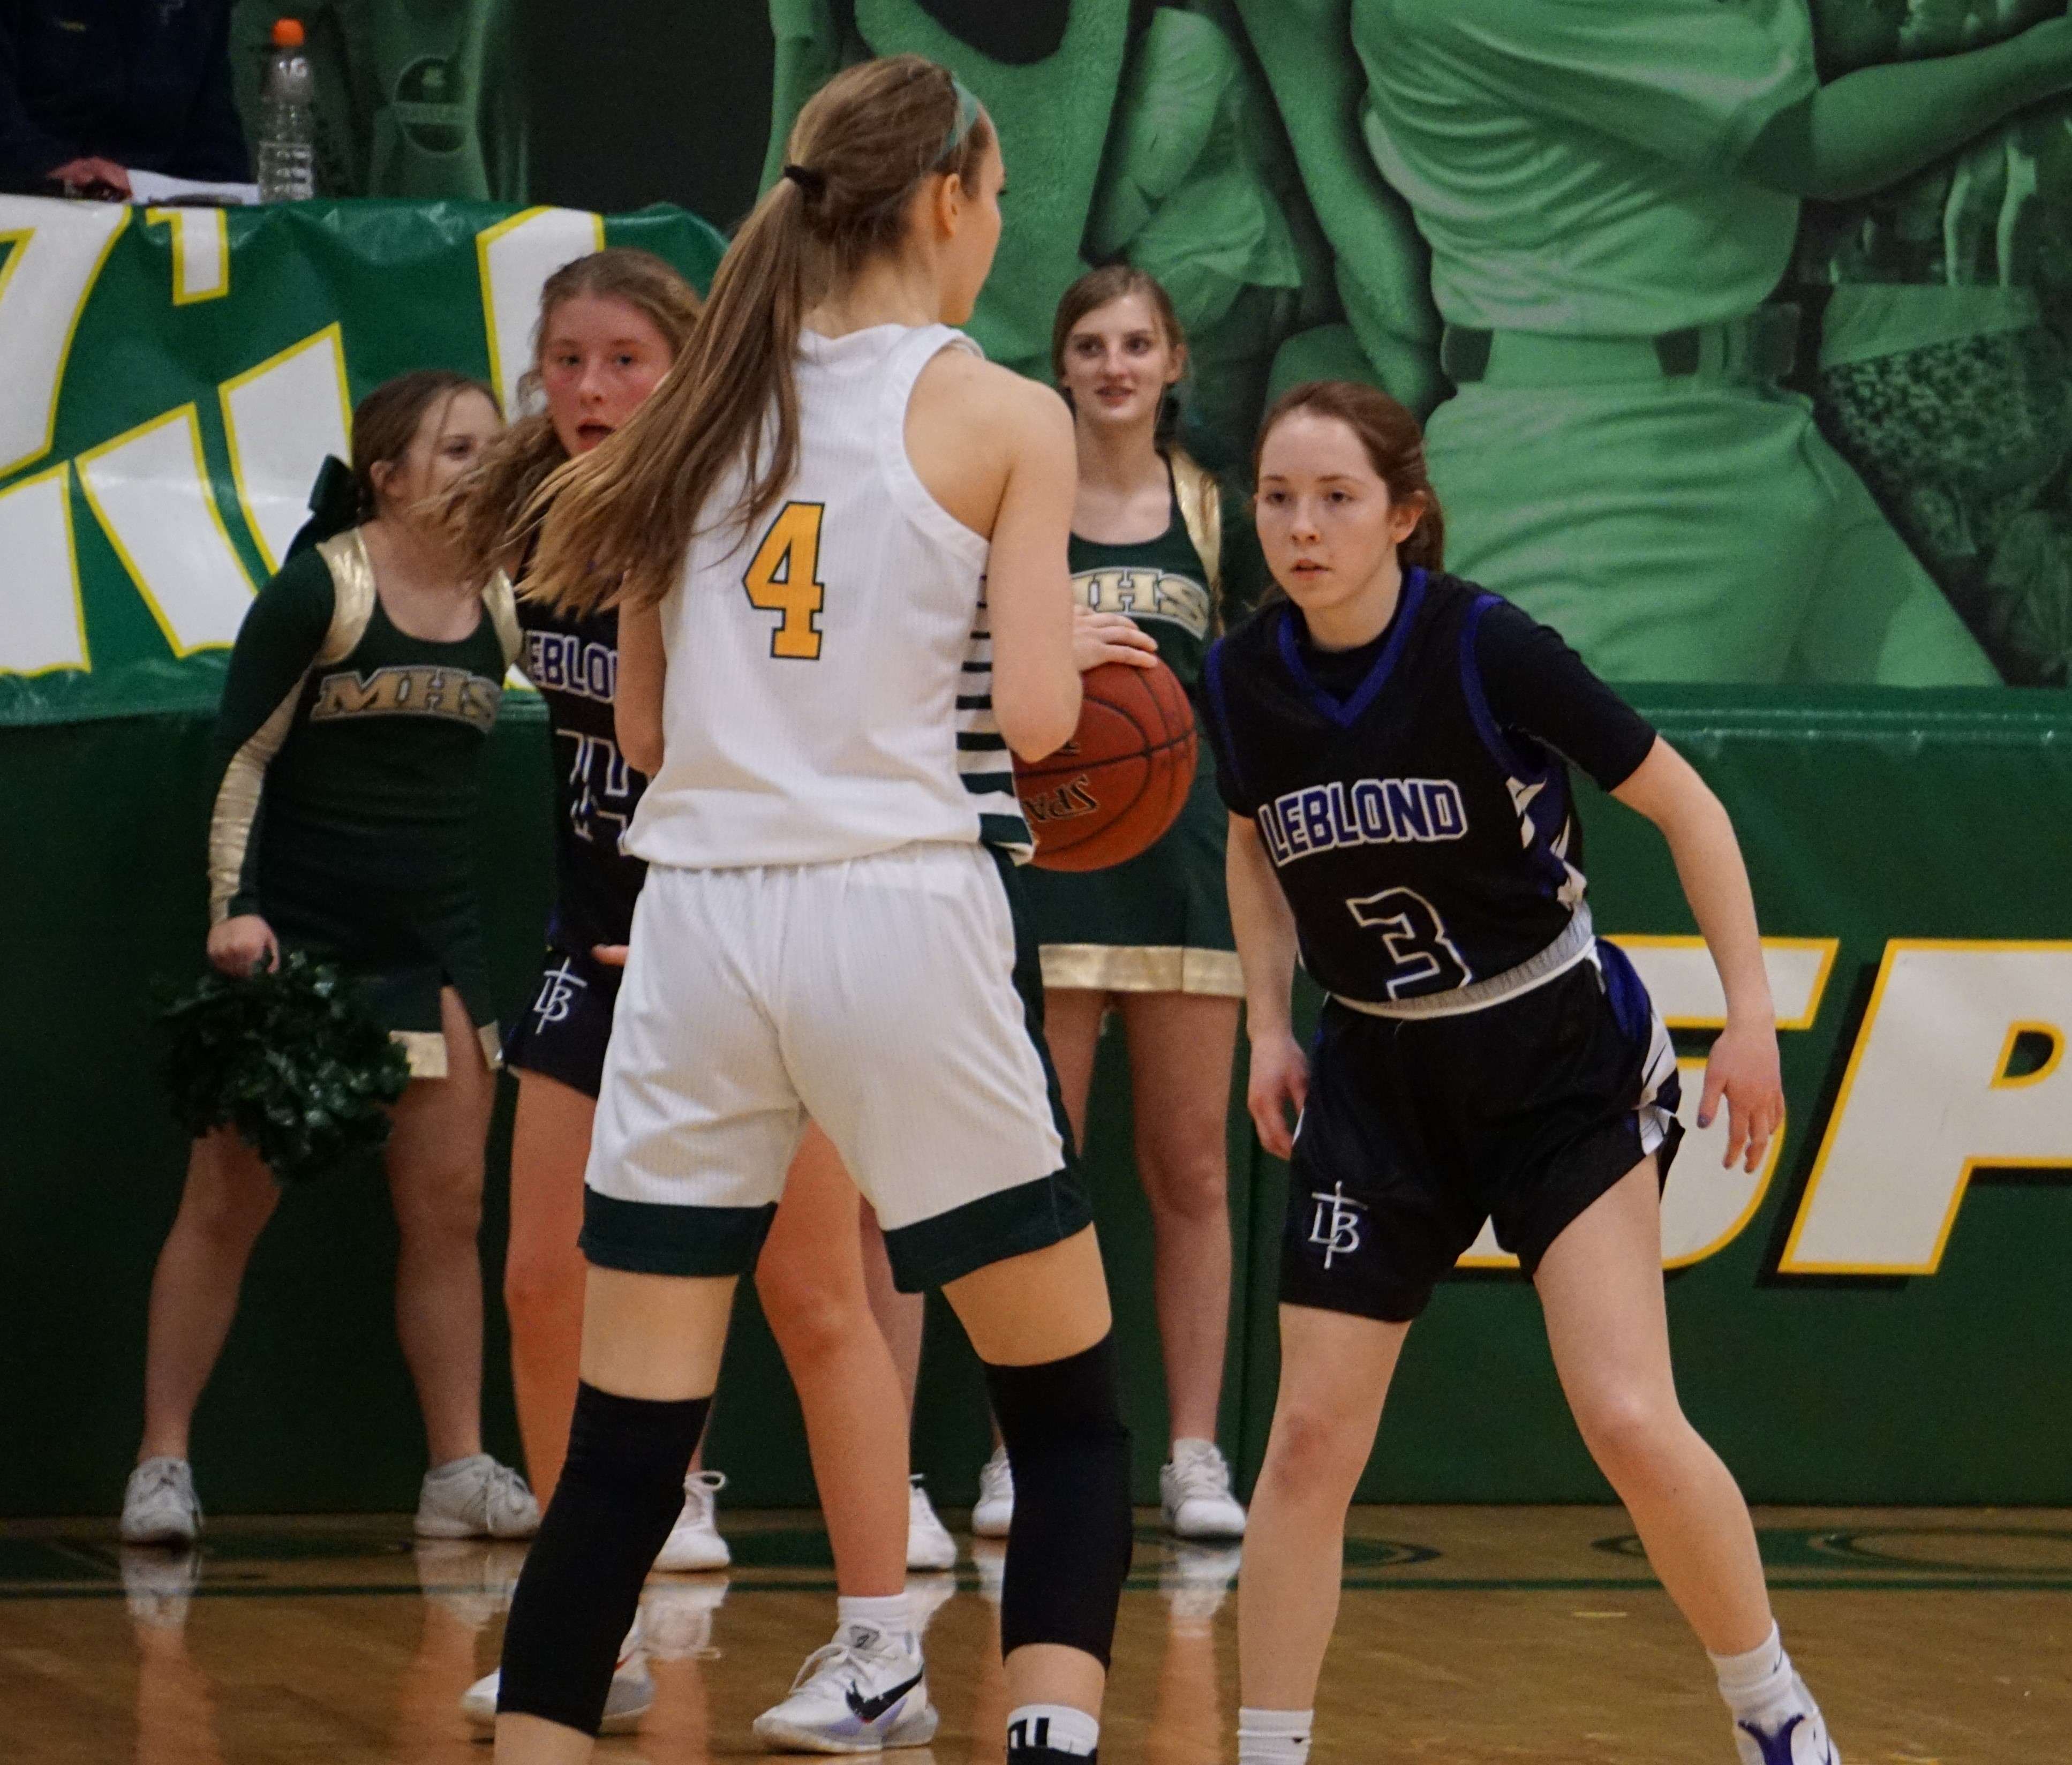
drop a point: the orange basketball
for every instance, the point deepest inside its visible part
(1110, 791)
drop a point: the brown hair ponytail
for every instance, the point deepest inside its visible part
(1395, 447)
(623, 516)
(486, 511)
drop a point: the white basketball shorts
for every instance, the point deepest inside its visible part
(879, 996)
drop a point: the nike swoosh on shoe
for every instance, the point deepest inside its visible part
(869, 1709)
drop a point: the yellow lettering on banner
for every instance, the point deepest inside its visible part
(1927, 1100)
(201, 251)
(1678, 975)
(2005, 1078)
(54, 254)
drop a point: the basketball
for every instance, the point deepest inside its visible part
(1109, 793)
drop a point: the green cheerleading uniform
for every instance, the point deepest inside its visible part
(345, 812)
(1159, 922)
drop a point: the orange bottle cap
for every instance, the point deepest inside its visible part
(287, 33)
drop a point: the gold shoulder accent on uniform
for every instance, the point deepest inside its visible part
(237, 807)
(352, 595)
(503, 605)
(1201, 510)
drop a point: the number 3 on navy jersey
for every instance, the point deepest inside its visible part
(1415, 939)
(784, 577)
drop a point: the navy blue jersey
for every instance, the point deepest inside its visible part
(574, 664)
(1417, 804)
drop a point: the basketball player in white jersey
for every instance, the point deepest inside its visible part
(846, 533)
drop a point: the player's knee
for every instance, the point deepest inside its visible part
(1631, 1433)
(226, 1204)
(620, 1490)
(1189, 1184)
(1316, 1455)
(814, 1320)
(542, 1282)
(440, 1208)
(1069, 1545)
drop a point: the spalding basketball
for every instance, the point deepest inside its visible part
(1110, 791)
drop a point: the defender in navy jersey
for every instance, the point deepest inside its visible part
(1393, 744)
(574, 662)
(1430, 758)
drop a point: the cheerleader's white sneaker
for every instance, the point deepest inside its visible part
(929, 1545)
(995, 1511)
(159, 1504)
(694, 1543)
(1194, 1490)
(475, 1497)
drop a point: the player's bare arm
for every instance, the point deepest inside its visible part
(1265, 930)
(1875, 126)
(1743, 1068)
(996, 451)
(636, 706)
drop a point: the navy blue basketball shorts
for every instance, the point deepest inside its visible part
(563, 1033)
(1416, 1130)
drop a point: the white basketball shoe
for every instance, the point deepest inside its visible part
(1799, 1738)
(632, 1696)
(865, 1692)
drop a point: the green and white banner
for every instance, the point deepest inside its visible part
(173, 379)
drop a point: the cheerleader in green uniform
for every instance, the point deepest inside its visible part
(1152, 937)
(363, 682)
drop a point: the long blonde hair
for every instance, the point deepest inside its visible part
(623, 515)
(491, 512)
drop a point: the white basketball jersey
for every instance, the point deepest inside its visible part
(829, 692)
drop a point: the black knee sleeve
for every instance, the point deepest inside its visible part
(621, 1490)
(1068, 1549)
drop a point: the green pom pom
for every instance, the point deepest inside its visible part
(290, 1057)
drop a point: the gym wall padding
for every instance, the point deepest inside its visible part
(1867, 818)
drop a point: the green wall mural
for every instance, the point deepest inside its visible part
(1576, 236)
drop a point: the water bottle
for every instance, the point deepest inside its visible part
(287, 120)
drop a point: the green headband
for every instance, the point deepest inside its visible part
(967, 114)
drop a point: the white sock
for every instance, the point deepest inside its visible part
(1274, 1737)
(1057, 1726)
(1758, 1686)
(890, 1613)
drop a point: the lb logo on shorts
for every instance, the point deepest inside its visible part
(1334, 1228)
(558, 987)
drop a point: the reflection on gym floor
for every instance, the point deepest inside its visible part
(1467, 1635)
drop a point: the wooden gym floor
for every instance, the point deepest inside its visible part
(1468, 1637)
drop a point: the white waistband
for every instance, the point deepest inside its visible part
(1577, 941)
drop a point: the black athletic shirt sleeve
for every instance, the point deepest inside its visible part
(1535, 683)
